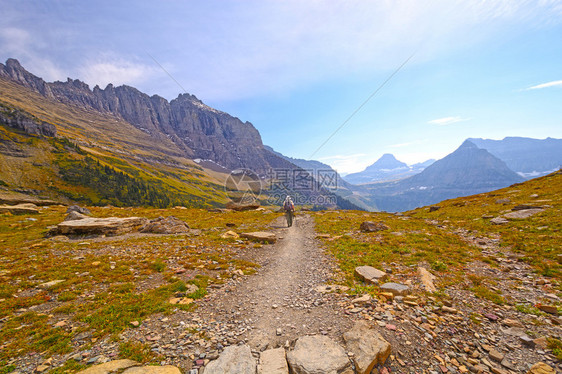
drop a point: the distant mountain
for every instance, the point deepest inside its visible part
(386, 168)
(468, 170)
(528, 157)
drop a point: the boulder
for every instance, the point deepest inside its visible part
(552, 309)
(427, 279)
(22, 199)
(318, 354)
(230, 235)
(78, 209)
(369, 348)
(434, 208)
(51, 284)
(396, 289)
(166, 225)
(499, 221)
(523, 213)
(233, 360)
(100, 226)
(273, 361)
(150, 369)
(541, 368)
(109, 367)
(260, 236)
(241, 207)
(370, 226)
(73, 216)
(370, 275)
(525, 207)
(25, 208)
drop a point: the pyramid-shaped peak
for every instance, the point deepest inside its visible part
(467, 144)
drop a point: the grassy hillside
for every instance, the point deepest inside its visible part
(97, 159)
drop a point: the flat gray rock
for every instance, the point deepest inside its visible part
(397, 289)
(100, 226)
(260, 236)
(499, 221)
(522, 214)
(109, 367)
(369, 348)
(370, 275)
(233, 360)
(151, 369)
(25, 208)
(318, 354)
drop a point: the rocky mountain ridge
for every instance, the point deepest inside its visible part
(197, 129)
(386, 168)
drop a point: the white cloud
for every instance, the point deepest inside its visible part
(545, 85)
(447, 121)
(346, 164)
(117, 71)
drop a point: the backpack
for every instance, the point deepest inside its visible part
(288, 205)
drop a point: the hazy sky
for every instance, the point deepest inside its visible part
(298, 69)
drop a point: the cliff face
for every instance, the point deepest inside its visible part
(200, 131)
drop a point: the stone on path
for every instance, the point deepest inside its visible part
(396, 289)
(26, 208)
(109, 367)
(370, 226)
(318, 354)
(370, 275)
(260, 236)
(273, 361)
(369, 348)
(427, 279)
(541, 368)
(150, 369)
(233, 360)
(166, 225)
(100, 226)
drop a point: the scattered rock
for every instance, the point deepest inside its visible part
(499, 221)
(78, 209)
(434, 208)
(318, 354)
(73, 216)
(548, 309)
(273, 361)
(260, 236)
(370, 226)
(230, 235)
(503, 201)
(99, 226)
(427, 279)
(361, 300)
(51, 284)
(541, 368)
(370, 275)
(495, 355)
(512, 323)
(369, 348)
(235, 360)
(26, 208)
(396, 289)
(180, 300)
(331, 288)
(109, 367)
(166, 225)
(522, 214)
(525, 207)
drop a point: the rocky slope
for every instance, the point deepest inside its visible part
(198, 130)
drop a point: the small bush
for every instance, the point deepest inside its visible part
(158, 266)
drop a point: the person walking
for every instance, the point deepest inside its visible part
(289, 209)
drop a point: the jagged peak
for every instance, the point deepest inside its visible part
(13, 63)
(467, 144)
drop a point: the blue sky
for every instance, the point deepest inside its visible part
(297, 70)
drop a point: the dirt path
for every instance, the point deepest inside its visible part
(279, 303)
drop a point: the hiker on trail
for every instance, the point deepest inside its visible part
(289, 209)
